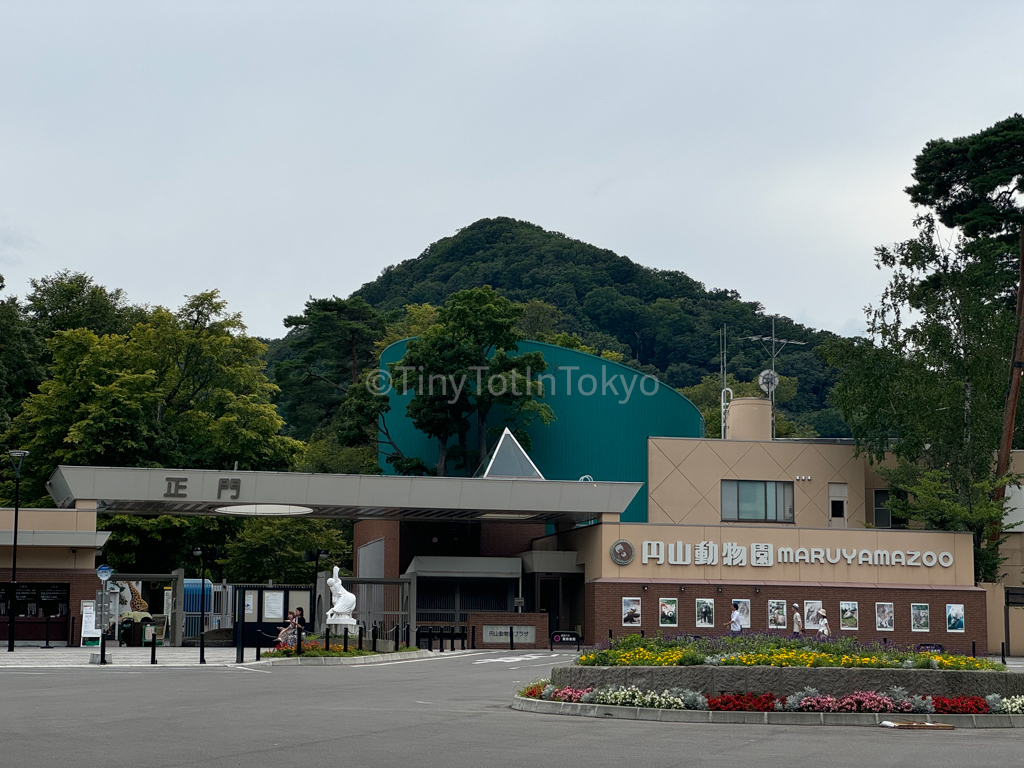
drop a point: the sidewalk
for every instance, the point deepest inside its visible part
(30, 656)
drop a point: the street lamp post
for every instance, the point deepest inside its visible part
(17, 457)
(201, 554)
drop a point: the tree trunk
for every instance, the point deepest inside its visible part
(1010, 411)
(442, 456)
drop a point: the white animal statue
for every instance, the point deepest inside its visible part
(344, 602)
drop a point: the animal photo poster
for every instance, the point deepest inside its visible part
(776, 614)
(631, 611)
(668, 612)
(705, 612)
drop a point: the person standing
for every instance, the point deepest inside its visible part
(823, 628)
(798, 621)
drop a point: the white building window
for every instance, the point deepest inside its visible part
(757, 501)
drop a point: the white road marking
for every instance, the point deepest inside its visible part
(513, 659)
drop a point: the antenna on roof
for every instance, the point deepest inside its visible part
(723, 352)
(768, 380)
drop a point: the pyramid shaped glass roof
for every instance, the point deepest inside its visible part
(507, 459)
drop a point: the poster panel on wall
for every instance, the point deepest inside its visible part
(954, 617)
(811, 618)
(744, 609)
(631, 611)
(273, 605)
(885, 617)
(705, 612)
(776, 614)
(668, 612)
(920, 621)
(849, 615)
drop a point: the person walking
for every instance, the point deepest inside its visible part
(798, 621)
(736, 620)
(823, 628)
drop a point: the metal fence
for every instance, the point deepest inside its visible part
(219, 606)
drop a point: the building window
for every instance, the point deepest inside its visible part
(757, 501)
(883, 515)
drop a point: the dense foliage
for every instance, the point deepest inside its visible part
(662, 321)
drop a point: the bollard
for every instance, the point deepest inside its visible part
(47, 632)
(407, 636)
(298, 641)
(452, 646)
(327, 637)
(152, 646)
(1002, 651)
(441, 639)
(259, 641)
(973, 650)
(103, 647)
(609, 637)
(360, 637)
(641, 633)
(462, 639)
(373, 637)
(511, 639)
(345, 647)
(472, 638)
(71, 634)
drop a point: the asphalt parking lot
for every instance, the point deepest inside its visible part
(441, 712)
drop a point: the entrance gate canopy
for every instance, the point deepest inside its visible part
(355, 497)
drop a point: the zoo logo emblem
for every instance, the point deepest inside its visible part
(622, 552)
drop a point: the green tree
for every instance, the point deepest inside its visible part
(975, 184)
(68, 300)
(276, 549)
(21, 353)
(185, 389)
(330, 343)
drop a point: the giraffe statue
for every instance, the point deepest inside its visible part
(137, 603)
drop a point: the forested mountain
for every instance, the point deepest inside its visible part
(662, 321)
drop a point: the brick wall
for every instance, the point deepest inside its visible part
(83, 585)
(365, 531)
(603, 601)
(506, 539)
(477, 621)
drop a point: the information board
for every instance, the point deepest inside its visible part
(90, 634)
(495, 633)
(273, 605)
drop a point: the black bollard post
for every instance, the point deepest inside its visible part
(327, 637)
(103, 647)
(1002, 650)
(407, 636)
(462, 638)
(345, 646)
(441, 639)
(511, 639)
(973, 649)
(71, 634)
(47, 632)
(373, 637)
(298, 641)
(152, 646)
(360, 637)
(641, 633)
(472, 637)
(609, 637)
(452, 646)
(259, 641)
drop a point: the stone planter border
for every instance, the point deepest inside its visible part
(837, 681)
(863, 719)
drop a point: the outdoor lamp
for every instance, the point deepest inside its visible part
(17, 457)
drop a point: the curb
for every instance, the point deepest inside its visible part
(540, 707)
(329, 661)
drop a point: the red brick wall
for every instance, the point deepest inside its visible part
(603, 603)
(506, 539)
(476, 621)
(365, 531)
(83, 587)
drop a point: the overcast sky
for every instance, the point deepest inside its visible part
(278, 151)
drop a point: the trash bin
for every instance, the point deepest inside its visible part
(127, 633)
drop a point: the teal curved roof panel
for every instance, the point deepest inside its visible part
(604, 414)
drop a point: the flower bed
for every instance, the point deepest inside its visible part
(773, 651)
(895, 700)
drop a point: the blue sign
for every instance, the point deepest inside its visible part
(104, 572)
